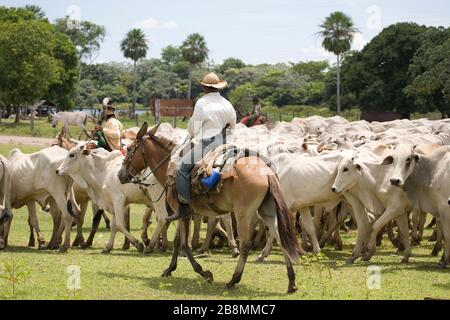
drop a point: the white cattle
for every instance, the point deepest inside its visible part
(426, 181)
(78, 118)
(306, 182)
(96, 171)
(34, 179)
(363, 179)
(5, 207)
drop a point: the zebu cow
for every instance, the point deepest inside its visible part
(77, 118)
(363, 179)
(425, 177)
(316, 175)
(33, 179)
(96, 171)
(5, 186)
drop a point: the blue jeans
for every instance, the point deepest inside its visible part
(183, 175)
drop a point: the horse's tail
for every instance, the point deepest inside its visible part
(289, 242)
(6, 213)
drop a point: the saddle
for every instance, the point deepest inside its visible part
(220, 159)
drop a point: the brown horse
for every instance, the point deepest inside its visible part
(253, 191)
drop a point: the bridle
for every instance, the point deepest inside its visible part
(137, 179)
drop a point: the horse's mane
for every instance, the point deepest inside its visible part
(164, 142)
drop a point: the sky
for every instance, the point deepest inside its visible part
(256, 31)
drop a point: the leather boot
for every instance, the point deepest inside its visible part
(184, 210)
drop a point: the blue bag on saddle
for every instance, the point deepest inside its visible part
(211, 181)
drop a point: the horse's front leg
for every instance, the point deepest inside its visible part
(176, 249)
(184, 236)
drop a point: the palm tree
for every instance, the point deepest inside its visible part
(37, 11)
(337, 33)
(194, 51)
(134, 47)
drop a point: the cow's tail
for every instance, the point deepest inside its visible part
(288, 238)
(6, 213)
(72, 206)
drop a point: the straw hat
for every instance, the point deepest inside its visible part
(107, 102)
(213, 81)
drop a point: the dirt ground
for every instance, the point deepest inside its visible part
(31, 141)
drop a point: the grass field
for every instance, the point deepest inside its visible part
(132, 275)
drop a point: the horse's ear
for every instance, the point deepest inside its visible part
(142, 131)
(154, 129)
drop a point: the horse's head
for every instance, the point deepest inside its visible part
(135, 161)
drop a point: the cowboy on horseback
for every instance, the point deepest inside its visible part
(255, 115)
(213, 114)
(109, 136)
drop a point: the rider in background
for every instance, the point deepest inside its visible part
(109, 136)
(254, 115)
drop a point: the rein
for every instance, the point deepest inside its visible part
(139, 180)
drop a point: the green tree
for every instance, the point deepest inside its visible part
(195, 51)
(171, 55)
(337, 33)
(311, 70)
(378, 74)
(37, 11)
(33, 58)
(134, 47)
(231, 63)
(87, 38)
(429, 72)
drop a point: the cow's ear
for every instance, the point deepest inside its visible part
(387, 161)
(416, 157)
(142, 132)
(153, 130)
(358, 167)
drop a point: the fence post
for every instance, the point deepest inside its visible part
(136, 116)
(280, 115)
(157, 109)
(175, 121)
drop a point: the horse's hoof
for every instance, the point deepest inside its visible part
(292, 289)
(2, 244)
(442, 265)
(366, 258)
(405, 260)
(146, 242)
(106, 251)
(126, 246)
(166, 274)
(350, 261)
(31, 244)
(208, 276)
(231, 285)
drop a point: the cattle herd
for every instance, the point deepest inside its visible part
(380, 178)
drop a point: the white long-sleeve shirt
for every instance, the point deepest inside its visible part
(211, 115)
